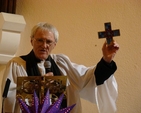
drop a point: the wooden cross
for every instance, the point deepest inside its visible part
(108, 33)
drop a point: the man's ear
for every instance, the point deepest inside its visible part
(31, 40)
(54, 45)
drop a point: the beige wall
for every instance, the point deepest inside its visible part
(78, 22)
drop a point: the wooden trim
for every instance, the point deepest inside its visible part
(8, 6)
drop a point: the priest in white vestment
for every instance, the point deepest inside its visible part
(95, 84)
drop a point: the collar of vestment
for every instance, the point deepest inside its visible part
(32, 68)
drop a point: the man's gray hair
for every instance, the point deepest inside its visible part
(45, 26)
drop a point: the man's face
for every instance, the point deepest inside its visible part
(43, 43)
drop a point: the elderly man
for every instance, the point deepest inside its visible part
(95, 84)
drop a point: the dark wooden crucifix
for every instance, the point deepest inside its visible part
(8, 6)
(108, 33)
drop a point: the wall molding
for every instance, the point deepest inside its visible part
(11, 26)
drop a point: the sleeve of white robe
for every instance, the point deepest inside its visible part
(106, 95)
(12, 71)
(103, 95)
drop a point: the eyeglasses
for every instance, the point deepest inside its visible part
(41, 41)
